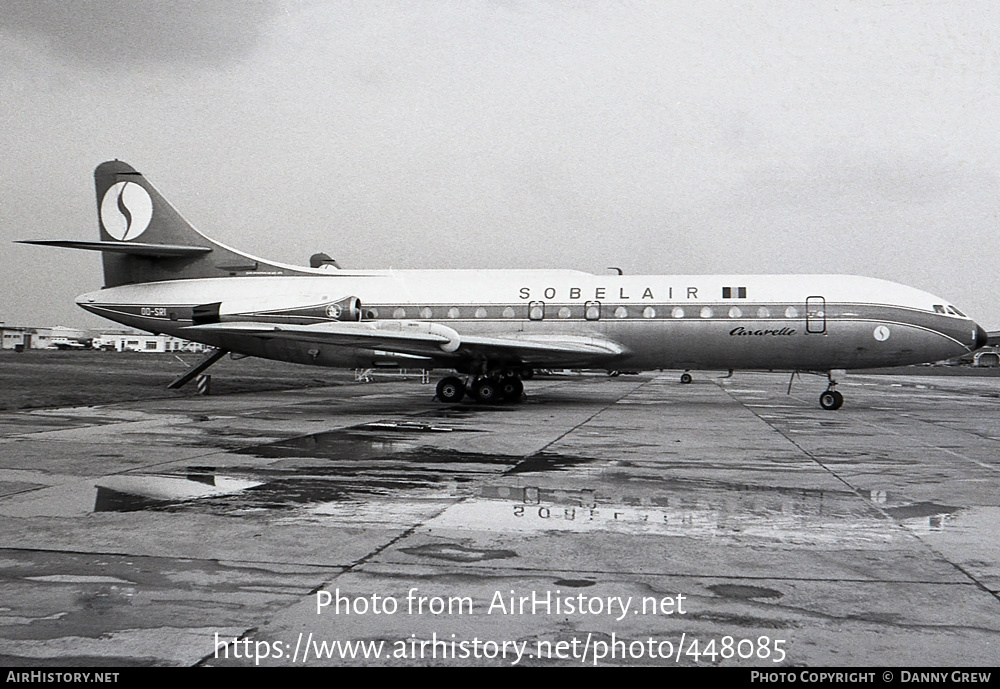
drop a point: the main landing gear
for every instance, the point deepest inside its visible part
(487, 389)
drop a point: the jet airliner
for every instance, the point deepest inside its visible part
(493, 327)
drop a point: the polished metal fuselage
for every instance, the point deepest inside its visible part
(786, 322)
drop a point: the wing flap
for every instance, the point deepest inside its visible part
(542, 350)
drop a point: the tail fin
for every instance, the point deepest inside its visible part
(144, 239)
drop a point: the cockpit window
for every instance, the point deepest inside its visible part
(939, 308)
(953, 310)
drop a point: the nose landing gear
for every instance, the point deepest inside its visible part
(831, 399)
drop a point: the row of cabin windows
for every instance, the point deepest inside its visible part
(592, 312)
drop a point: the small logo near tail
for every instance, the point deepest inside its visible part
(126, 210)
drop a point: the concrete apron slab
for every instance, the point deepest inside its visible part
(852, 537)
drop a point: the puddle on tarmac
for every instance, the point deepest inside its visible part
(743, 591)
(384, 459)
(367, 441)
(543, 461)
(397, 473)
(458, 553)
(919, 509)
(924, 517)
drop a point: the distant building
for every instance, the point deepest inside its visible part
(987, 356)
(59, 337)
(134, 342)
(14, 337)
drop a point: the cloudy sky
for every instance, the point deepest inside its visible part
(663, 137)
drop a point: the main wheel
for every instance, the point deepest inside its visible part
(511, 388)
(686, 378)
(831, 399)
(450, 389)
(485, 390)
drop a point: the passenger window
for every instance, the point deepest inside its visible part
(706, 312)
(564, 312)
(453, 312)
(678, 312)
(735, 312)
(592, 311)
(791, 312)
(536, 310)
(399, 313)
(649, 312)
(426, 312)
(763, 312)
(480, 312)
(621, 312)
(508, 312)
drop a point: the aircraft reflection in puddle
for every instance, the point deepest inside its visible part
(129, 493)
(739, 512)
(794, 517)
(919, 517)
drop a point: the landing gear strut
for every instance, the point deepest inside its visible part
(831, 399)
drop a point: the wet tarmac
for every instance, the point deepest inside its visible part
(600, 521)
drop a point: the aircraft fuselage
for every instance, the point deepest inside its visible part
(788, 322)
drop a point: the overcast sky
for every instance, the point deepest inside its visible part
(662, 137)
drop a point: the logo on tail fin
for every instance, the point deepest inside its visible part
(126, 210)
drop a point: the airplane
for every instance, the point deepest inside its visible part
(492, 328)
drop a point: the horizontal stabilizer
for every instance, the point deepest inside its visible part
(133, 248)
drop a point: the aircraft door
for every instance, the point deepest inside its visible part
(815, 315)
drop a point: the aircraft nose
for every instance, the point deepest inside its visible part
(982, 337)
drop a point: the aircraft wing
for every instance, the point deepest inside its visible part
(440, 342)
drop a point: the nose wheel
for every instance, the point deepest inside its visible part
(831, 399)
